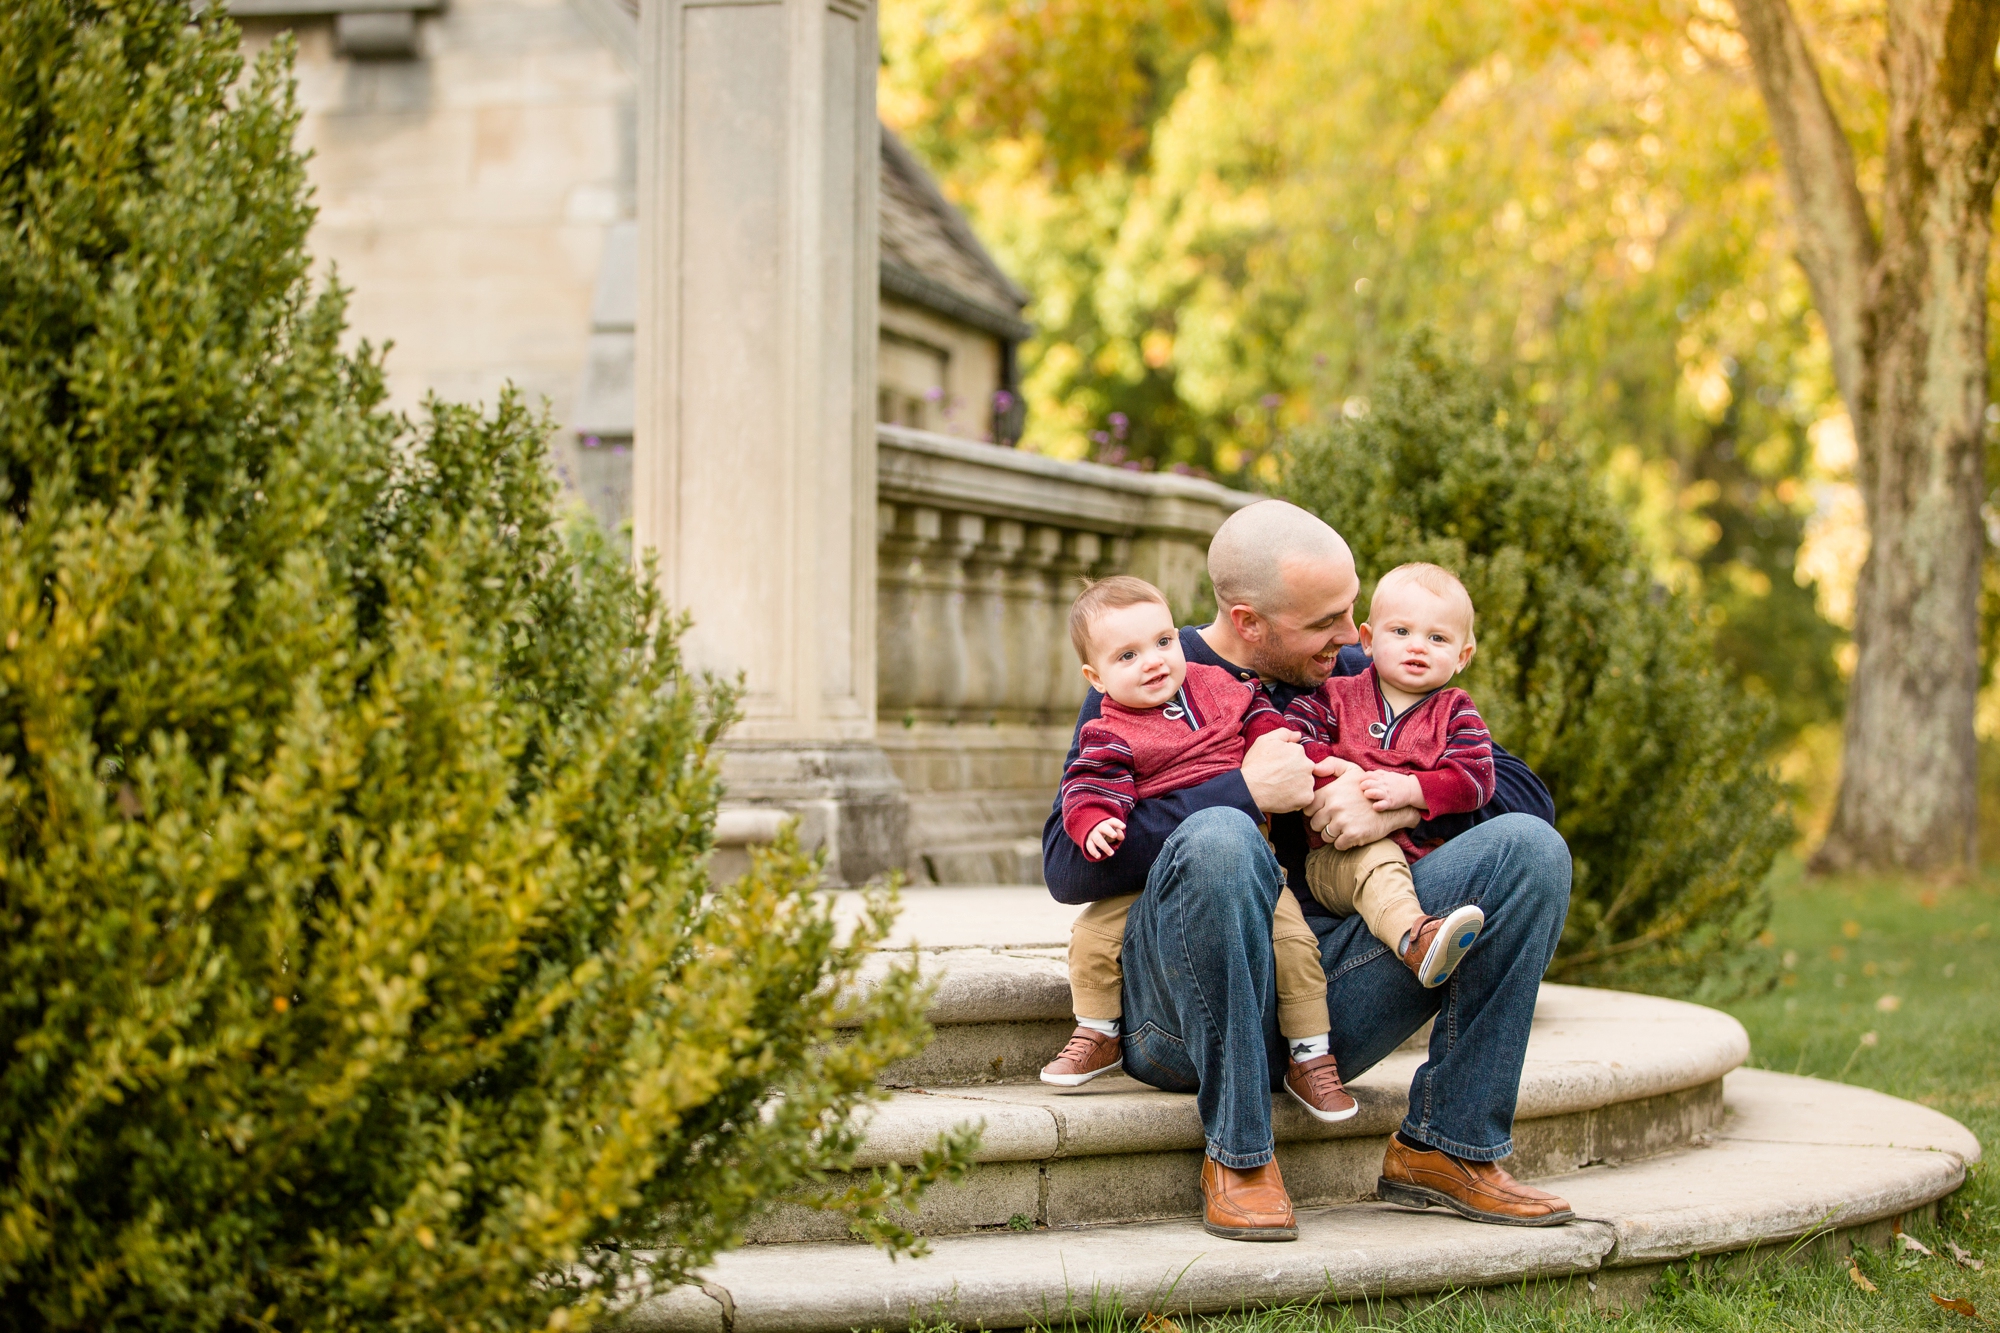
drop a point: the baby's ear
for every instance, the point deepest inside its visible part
(1367, 638)
(1465, 656)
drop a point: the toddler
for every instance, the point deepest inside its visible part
(1167, 725)
(1424, 746)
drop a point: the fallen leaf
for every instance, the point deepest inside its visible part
(1966, 1308)
(1964, 1257)
(1860, 1278)
(1910, 1242)
(1889, 1004)
(1159, 1323)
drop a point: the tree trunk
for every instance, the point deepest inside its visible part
(1906, 316)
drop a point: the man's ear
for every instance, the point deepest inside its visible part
(1090, 674)
(1367, 632)
(1249, 626)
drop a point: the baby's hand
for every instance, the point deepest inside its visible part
(1392, 791)
(1104, 839)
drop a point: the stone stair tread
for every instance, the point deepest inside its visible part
(1589, 1049)
(1796, 1156)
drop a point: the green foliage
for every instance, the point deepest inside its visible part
(1605, 684)
(360, 965)
(1585, 195)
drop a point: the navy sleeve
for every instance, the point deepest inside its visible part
(1516, 791)
(1074, 878)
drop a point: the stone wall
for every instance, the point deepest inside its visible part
(980, 550)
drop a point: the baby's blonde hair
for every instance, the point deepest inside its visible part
(1431, 578)
(1104, 595)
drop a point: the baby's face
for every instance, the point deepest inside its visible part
(1135, 655)
(1418, 639)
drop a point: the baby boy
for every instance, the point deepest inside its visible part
(1424, 747)
(1168, 724)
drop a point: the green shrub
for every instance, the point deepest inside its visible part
(360, 968)
(1603, 682)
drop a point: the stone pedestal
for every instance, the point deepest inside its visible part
(754, 456)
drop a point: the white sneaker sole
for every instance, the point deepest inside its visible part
(1454, 937)
(1329, 1117)
(1076, 1080)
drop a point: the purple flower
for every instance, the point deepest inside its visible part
(1273, 401)
(1118, 424)
(1099, 438)
(1002, 400)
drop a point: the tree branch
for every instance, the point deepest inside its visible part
(1837, 244)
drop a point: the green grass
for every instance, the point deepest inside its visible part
(1890, 985)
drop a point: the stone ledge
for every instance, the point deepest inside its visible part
(1830, 1172)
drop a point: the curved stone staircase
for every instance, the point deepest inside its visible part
(1632, 1107)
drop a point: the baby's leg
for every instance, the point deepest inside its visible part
(1097, 990)
(1373, 881)
(1313, 1076)
(1301, 980)
(1096, 944)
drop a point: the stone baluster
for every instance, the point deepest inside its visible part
(1078, 559)
(940, 632)
(1027, 624)
(986, 583)
(897, 626)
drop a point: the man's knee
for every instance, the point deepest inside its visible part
(1539, 857)
(1219, 848)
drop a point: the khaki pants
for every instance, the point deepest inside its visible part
(1096, 976)
(1371, 881)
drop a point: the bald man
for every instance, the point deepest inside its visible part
(1200, 1008)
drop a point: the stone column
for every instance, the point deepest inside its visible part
(754, 456)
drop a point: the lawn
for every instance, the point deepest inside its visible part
(1891, 985)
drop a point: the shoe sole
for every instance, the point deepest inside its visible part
(1249, 1233)
(1077, 1080)
(1454, 937)
(1329, 1117)
(1422, 1196)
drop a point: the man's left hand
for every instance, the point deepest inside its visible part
(1341, 812)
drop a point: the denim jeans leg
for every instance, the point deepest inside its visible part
(1517, 869)
(1200, 983)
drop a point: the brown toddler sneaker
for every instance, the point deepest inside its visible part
(1316, 1085)
(1438, 942)
(1088, 1054)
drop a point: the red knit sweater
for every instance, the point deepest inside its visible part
(1128, 754)
(1440, 740)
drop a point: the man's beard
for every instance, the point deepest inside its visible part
(1296, 671)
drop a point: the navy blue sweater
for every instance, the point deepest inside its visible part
(1074, 879)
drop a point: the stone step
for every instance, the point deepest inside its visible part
(1793, 1158)
(1609, 1077)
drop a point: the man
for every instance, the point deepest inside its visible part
(1199, 994)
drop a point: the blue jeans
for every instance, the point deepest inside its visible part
(1201, 996)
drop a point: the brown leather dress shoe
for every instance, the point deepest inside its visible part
(1246, 1205)
(1420, 1177)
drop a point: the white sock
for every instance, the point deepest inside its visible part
(1310, 1048)
(1403, 946)
(1108, 1026)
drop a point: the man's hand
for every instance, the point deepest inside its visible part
(1103, 840)
(1342, 813)
(1393, 791)
(1277, 772)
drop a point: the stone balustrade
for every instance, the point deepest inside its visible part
(981, 550)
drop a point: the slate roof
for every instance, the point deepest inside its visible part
(930, 255)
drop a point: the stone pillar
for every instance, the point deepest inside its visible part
(754, 453)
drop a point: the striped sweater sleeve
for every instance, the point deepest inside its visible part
(1098, 784)
(1463, 779)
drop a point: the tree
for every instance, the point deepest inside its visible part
(1602, 681)
(1905, 308)
(359, 964)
